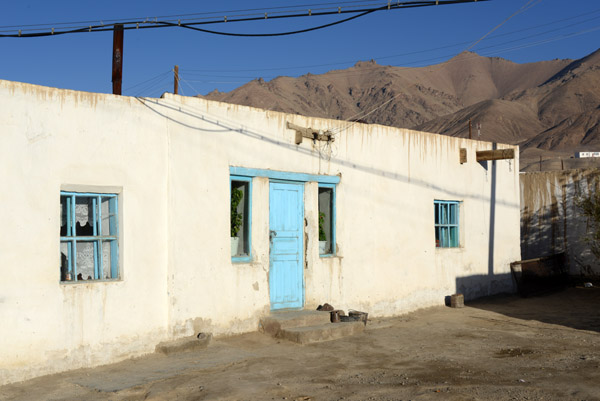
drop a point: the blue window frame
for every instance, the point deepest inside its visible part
(89, 236)
(240, 217)
(326, 219)
(446, 223)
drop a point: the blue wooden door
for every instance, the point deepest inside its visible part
(286, 217)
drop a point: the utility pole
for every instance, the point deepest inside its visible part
(176, 80)
(117, 64)
(470, 136)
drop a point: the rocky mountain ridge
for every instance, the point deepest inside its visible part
(549, 108)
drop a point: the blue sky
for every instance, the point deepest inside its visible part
(544, 30)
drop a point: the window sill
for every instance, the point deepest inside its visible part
(449, 248)
(327, 255)
(80, 282)
(241, 259)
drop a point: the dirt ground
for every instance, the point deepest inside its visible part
(500, 348)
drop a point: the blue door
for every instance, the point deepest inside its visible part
(286, 217)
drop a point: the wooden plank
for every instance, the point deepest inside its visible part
(498, 154)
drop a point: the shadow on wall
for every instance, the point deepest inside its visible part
(483, 285)
(551, 222)
(574, 307)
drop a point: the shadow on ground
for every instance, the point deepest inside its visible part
(576, 307)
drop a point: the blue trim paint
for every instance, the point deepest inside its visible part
(71, 239)
(333, 219)
(248, 234)
(114, 250)
(448, 213)
(283, 175)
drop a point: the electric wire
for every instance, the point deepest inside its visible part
(177, 17)
(337, 63)
(526, 7)
(159, 79)
(491, 50)
(279, 33)
(148, 80)
(192, 25)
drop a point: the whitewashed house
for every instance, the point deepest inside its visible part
(116, 221)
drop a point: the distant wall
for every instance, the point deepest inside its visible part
(550, 220)
(560, 164)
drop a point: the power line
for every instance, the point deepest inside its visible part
(148, 24)
(148, 80)
(198, 72)
(230, 13)
(526, 7)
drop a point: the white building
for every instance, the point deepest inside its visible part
(581, 155)
(116, 221)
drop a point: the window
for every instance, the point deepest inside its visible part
(326, 219)
(89, 236)
(446, 223)
(240, 197)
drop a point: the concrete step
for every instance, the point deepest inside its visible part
(307, 326)
(277, 321)
(322, 332)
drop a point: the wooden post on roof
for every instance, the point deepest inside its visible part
(117, 64)
(470, 136)
(498, 154)
(176, 80)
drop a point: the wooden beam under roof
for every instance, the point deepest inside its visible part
(498, 154)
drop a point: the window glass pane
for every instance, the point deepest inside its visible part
(109, 259)
(436, 207)
(239, 218)
(84, 216)
(453, 237)
(437, 237)
(108, 210)
(325, 220)
(444, 210)
(444, 236)
(453, 214)
(85, 260)
(65, 202)
(65, 261)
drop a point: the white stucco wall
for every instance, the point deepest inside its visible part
(169, 159)
(56, 139)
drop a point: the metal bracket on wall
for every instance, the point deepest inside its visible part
(310, 133)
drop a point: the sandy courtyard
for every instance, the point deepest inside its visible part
(500, 348)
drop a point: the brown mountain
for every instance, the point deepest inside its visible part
(547, 107)
(553, 119)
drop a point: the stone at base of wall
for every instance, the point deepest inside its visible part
(185, 344)
(457, 301)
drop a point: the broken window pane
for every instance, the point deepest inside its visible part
(85, 260)
(88, 236)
